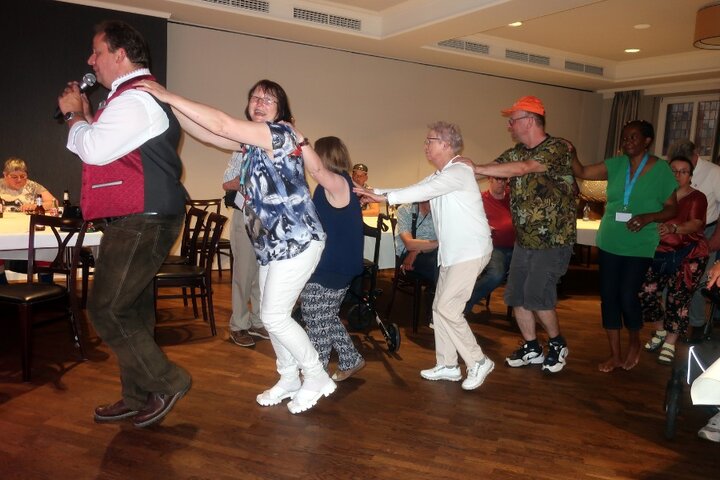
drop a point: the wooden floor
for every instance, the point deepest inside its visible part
(386, 423)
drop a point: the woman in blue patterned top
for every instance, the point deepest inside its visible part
(281, 221)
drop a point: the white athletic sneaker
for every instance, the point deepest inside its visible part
(477, 373)
(711, 431)
(442, 372)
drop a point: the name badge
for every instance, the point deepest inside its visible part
(623, 217)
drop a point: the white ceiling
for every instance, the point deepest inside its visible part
(586, 32)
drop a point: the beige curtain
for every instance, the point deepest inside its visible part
(624, 109)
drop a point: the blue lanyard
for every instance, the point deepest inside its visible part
(630, 184)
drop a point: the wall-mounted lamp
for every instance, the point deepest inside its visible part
(707, 27)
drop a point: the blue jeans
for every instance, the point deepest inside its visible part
(491, 277)
(122, 308)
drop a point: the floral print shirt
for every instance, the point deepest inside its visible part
(280, 216)
(543, 204)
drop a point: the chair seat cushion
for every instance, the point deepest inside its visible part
(179, 271)
(30, 292)
(175, 260)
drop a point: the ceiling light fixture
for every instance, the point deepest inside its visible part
(707, 27)
(514, 24)
(632, 50)
(641, 26)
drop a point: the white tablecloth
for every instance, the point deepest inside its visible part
(387, 245)
(14, 229)
(587, 231)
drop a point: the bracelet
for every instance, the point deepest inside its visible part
(674, 227)
(304, 143)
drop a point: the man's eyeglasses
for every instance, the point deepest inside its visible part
(430, 139)
(263, 100)
(499, 179)
(511, 121)
(680, 172)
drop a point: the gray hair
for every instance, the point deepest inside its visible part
(13, 164)
(682, 148)
(450, 134)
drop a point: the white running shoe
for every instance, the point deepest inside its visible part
(442, 372)
(477, 373)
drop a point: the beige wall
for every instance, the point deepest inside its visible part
(379, 107)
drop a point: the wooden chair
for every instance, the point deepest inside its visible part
(27, 298)
(197, 275)
(410, 283)
(193, 228)
(224, 248)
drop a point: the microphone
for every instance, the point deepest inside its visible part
(88, 81)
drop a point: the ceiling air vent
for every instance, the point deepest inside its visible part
(581, 67)
(539, 59)
(527, 57)
(327, 19)
(473, 47)
(254, 5)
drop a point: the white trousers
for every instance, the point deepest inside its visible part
(453, 335)
(280, 285)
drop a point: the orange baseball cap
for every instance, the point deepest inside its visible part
(527, 104)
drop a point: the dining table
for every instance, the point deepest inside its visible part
(14, 239)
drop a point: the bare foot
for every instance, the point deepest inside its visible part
(633, 352)
(632, 359)
(609, 365)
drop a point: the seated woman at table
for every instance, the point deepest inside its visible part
(640, 194)
(677, 268)
(418, 248)
(18, 192)
(18, 195)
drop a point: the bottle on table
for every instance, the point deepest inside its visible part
(586, 212)
(39, 210)
(66, 203)
(2, 207)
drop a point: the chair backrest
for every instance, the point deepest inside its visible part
(194, 226)
(376, 234)
(210, 205)
(69, 234)
(214, 227)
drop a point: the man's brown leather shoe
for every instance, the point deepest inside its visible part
(113, 413)
(158, 405)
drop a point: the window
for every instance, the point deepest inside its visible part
(693, 117)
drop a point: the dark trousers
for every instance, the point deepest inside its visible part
(122, 304)
(620, 281)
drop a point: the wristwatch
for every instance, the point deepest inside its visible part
(304, 143)
(70, 115)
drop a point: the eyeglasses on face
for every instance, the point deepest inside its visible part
(511, 121)
(430, 139)
(680, 172)
(18, 176)
(263, 100)
(499, 179)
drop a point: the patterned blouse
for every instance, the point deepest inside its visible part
(280, 216)
(543, 204)
(14, 199)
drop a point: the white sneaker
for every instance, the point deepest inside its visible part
(477, 373)
(277, 393)
(711, 431)
(442, 372)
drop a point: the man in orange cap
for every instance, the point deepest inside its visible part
(543, 211)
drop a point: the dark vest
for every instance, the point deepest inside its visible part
(146, 179)
(342, 258)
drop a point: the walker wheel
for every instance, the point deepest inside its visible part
(673, 392)
(393, 337)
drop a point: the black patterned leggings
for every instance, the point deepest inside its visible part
(320, 308)
(675, 312)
